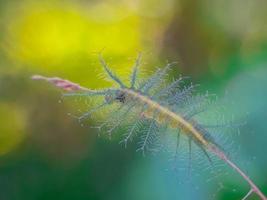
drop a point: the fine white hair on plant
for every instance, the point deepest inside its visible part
(151, 108)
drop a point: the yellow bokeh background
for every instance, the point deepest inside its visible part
(68, 39)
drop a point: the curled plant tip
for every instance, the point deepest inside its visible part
(60, 83)
(154, 107)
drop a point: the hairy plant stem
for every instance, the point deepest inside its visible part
(70, 86)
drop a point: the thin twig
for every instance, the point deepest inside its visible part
(248, 194)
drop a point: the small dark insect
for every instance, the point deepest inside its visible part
(121, 97)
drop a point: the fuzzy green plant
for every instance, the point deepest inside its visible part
(153, 107)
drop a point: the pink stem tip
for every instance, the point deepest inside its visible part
(60, 83)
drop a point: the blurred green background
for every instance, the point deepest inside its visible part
(46, 154)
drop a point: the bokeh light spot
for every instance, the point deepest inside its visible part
(65, 40)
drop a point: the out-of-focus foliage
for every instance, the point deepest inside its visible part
(46, 154)
(12, 128)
